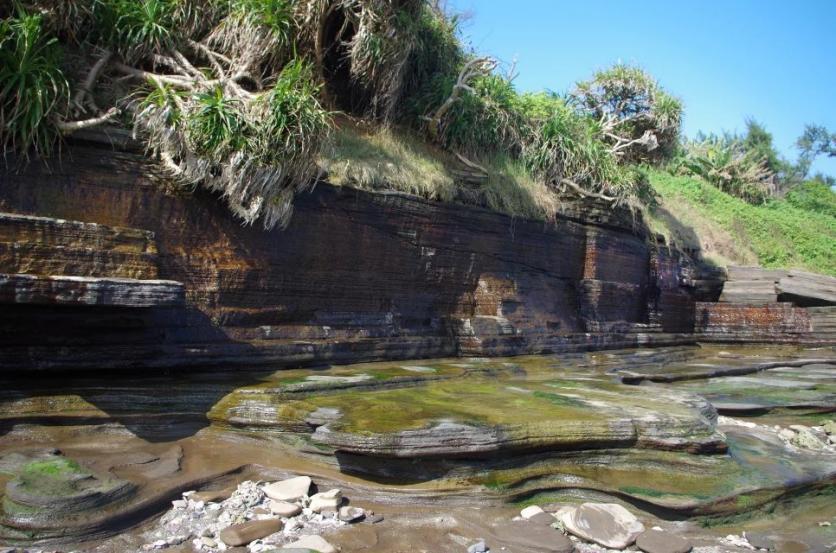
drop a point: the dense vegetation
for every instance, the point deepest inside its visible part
(237, 96)
(254, 99)
(798, 230)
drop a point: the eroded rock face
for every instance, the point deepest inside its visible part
(355, 276)
(88, 291)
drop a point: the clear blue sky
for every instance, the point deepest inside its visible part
(727, 60)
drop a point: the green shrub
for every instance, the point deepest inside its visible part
(813, 195)
(33, 88)
(630, 104)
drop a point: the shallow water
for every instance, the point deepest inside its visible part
(636, 426)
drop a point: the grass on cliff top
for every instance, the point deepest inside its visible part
(798, 231)
(395, 159)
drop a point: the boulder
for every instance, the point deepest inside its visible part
(531, 511)
(659, 541)
(314, 543)
(284, 508)
(533, 536)
(244, 533)
(291, 489)
(829, 427)
(326, 501)
(607, 524)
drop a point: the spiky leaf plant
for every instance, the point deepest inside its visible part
(32, 86)
(639, 120)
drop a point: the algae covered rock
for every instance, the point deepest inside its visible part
(48, 489)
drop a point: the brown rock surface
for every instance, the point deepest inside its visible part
(244, 533)
(657, 541)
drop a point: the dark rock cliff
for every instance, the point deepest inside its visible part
(355, 276)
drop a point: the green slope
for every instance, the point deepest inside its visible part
(798, 231)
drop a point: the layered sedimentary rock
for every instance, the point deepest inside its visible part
(355, 276)
(477, 429)
(88, 291)
(757, 286)
(742, 322)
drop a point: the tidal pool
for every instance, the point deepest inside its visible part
(680, 433)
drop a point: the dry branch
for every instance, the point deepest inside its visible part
(67, 127)
(473, 68)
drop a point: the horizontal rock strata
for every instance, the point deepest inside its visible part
(89, 291)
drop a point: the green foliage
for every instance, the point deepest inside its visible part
(136, 28)
(782, 233)
(631, 103)
(815, 141)
(813, 195)
(292, 123)
(33, 88)
(217, 126)
(562, 143)
(727, 163)
(254, 32)
(487, 121)
(255, 154)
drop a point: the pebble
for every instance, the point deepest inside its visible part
(284, 508)
(244, 533)
(351, 514)
(478, 547)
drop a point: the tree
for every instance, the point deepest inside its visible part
(815, 141)
(637, 118)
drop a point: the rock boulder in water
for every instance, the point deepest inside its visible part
(607, 524)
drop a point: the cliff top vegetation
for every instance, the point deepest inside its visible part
(257, 99)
